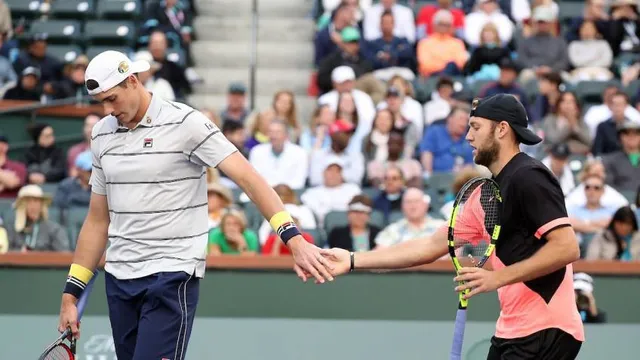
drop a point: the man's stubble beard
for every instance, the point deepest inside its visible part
(488, 154)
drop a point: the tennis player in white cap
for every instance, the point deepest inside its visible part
(149, 200)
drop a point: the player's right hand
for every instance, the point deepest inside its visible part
(340, 258)
(69, 316)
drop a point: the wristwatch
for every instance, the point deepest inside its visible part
(352, 257)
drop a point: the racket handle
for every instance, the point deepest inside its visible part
(458, 335)
(82, 302)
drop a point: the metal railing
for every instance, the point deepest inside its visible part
(253, 60)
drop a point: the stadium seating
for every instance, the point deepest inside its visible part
(66, 53)
(119, 10)
(102, 32)
(28, 9)
(339, 218)
(73, 9)
(58, 31)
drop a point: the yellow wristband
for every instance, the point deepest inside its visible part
(81, 273)
(279, 219)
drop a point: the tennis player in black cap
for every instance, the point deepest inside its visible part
(532, 267)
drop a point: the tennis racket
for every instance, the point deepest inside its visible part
(474, 228)
(59, 350)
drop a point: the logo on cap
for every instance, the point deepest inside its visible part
(123, 67)
(474, 104)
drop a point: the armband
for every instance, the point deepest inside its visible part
(77, 280)
(283, 225)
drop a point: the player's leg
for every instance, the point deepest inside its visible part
(167, 317)
(524, 348)
(124, 298)
(559, 345)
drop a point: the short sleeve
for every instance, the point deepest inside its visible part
(205, 144)
(541, 199)
(97, 180)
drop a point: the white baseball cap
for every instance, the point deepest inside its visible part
(110, 68)
(342, 74)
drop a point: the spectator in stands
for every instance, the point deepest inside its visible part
(348, 112)
(333, 194)
(8, 77)
(284, 104)
(623, 166)
(439, 107)
(303, 215)
(173, 72)
(401, 123)
(606, 140)
(236, 100)
(316, 136)
(28, 88)
(565, 125)
(280, 161)
(344, 80)
(459, 180)
(594, 11)
(219, 197)
(416, 222)
(590, 56)
(75, 191)
(259, 129)
(329, 6)
(486, 58)
(424, 21)
(506, 84)
(358, 235)
(411, 108)
(349, 54)
(593, 216)
(610, 198)
(233, 237)
(234, 132)
(558, 163)
(389, 52)
(488, 11)
(624, 27)
(405, 109)
(32, 230)
(392, 187)
(600, 113)
(89, 121)
(441, 52)
(585, 301)
(158, 86)
(549, 85)
(404, 21)
(36, 56)
(275, 247)
(411, 168)
(45, 161)
(444, 147)
(543, 52)
(517, 10)
(72, 82)
(620, 240)
(352, 163)
(329, 40)
(13, 174)
(174, 18)
(375, 147)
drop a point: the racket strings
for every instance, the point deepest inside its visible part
(60, 352)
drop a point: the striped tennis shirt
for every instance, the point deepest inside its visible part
(155, 183)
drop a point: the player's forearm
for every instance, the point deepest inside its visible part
(407, 254)
(91, 244)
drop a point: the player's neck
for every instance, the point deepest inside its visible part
(145, 102)
(504, 157)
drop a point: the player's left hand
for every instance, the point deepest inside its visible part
(476, 279)
(309, 260)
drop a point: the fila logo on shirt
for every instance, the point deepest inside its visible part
(209, 126)
(148, 143)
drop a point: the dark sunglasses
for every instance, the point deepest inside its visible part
(594, 187)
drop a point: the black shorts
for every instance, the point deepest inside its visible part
(548, 344)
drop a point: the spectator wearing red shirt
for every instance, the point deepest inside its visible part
(273, 245)
(13, 175)
(424, 21)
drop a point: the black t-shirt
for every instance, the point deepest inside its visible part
(533, 205)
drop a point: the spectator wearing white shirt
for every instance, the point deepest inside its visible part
(408, 108)
(352, 162)
(156, 85)
(279, 161)
(334, 194)
(439, 107)
(610, 198)
(600, 113)
(558, 163)
(487, 11)
(404, 21)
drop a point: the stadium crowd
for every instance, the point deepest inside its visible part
(382, 155)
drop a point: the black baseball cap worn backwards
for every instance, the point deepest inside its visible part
(506, 107)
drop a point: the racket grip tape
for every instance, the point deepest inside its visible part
(82, 302)
(458, 335)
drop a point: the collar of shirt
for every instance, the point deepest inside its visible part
(150, 116)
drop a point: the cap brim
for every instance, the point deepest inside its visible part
(140, 66)
(525, 135)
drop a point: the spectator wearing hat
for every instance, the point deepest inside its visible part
(606, 139)
(389, 52)
(334, 193)
(416, 223)
(442, 52)
(233, 237)
(399, 102)
(507, 83)
(487, 11)
(280, 161)
(351, 162)
(624, 27)
(28, 88)
(610, 197)
(218, 198)
(35, 55)
(404, 25)
(358, 234)
(549, 85)
(489, 52)
(585, 301)
(89, 121)
(45, 161)
(328, 40)
(565, 125)
(558, 163)
(236, 103)
(32, 230)
(623, 166)
(72, 82)
(13, 174)
(424, 20)
(620, 240)
(156, 85)
(444, 147)
(75, 191)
